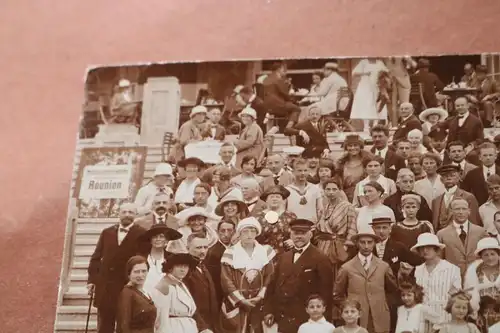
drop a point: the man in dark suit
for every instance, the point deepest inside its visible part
(437, 140)
(394, 253)
(429, 83)
(408, 121)
(201, 286)
(212, 128)
(456, 153)
(392, 161)
(441, 210)
(298, 274)
(475, 181)
(225, 230)
(464, 127)
(251, 189)
(106, 272)
(405, 183)
(280, 176)
(277, 99)
(311, 134)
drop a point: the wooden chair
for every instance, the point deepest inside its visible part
(167, 143)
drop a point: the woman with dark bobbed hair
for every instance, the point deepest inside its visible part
(176, 306)
(136, 310)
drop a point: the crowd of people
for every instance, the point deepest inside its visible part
(401, 237)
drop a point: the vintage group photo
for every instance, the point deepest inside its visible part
(335, 195)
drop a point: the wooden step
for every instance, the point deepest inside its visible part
(76, 313)
(76, 295)
(74, 326)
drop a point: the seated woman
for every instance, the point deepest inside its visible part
(175, 304)
(184, 196)
(136, 310)
(251, 139)
(373, 168)
(246, 272)
(155, 241)
(275, 220)
(193, 220)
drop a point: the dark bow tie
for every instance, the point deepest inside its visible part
(125, 230)
(299, 251)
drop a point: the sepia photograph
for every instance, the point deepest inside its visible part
(319, 195)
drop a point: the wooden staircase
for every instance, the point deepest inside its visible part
(82, 235)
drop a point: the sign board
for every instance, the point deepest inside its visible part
(108, 176)
(207, 151)
(105, 182)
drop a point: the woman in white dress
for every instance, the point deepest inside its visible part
(184, 195)
(373, 193)
(155, 240)
(193, 220)
(437, 277)
(175, 304)
(364, 105)
(373, 167)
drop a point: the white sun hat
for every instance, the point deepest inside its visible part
(488, 243)
(123, 83)
(249, 112)
(196, 110)
(427, 239)
(163, 169)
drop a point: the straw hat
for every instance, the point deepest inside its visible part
(380, 220)
(365, 232)
(163, 169)
(197, 110)
(190, 212)
(488, 243)
(248, 111)
(427, 239)
(442, 113)
(231, 197)
(249, 222)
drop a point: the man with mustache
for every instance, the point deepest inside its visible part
(116, 245)
(162, 211)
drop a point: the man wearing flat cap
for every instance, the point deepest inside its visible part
(106, 271)
(367, 279)
(441, 211)
(299, 273)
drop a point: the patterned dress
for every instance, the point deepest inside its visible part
(275, 234)
(353, 173)
(337, 225)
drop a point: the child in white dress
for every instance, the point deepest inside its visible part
(317, 322)
(460, 309)
(351, 312)
(413, 314)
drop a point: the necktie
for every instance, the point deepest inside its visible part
(463, 234)
(276, 180)
(161, 189)
(365, 264)
(160, 220)
(488, 174)
(125, 230)
(379, 153)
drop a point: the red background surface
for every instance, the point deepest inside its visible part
(47, 45)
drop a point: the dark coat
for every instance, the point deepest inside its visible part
(394, 202)
(405, 127)
(293, 283)
(202, 288)
(392, 163)
(107, 264)
(318, 138)
(475, 184)
(471, 130)
(136, 312)
(430, 85)
(276, 93)
(212, 262)
(220, 131)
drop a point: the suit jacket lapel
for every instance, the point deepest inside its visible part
(114, 236)
(359, 265)
(454, 235)
(129, 236)
(373, 266)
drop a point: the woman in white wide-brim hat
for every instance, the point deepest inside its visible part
(483, 276)
(430, 117)
(251, 138)
(437, 277)
(193, 220)
(244, 256)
